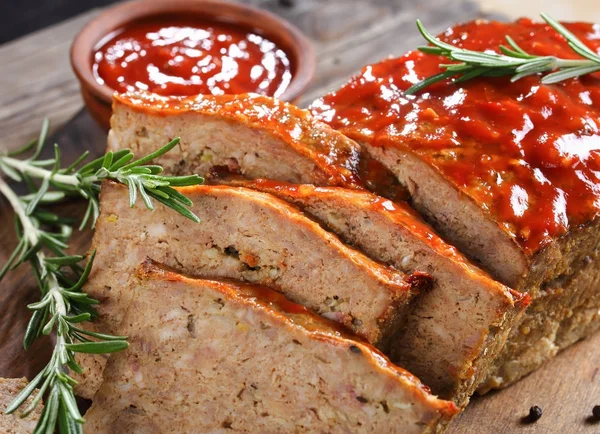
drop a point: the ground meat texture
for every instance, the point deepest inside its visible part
(566, 310)
(262, 364)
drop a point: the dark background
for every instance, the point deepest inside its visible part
(20, 17)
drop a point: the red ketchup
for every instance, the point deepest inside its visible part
(188, 57)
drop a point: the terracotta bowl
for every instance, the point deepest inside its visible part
(98, 97)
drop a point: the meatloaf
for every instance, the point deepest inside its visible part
(466, 346)
(244, 133)
(506, 171)
(246, 235)
(214, 356)
(455, 330)
(14, 423)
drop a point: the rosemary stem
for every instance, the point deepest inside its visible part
(29, 230)
(39, 172)
(572, 63)
(54, 291)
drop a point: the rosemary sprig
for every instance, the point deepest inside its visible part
(85, 180)
(43, 237)
(512, 61)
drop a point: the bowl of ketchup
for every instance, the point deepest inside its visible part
(189, 47)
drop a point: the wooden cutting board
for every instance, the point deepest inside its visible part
(36, 81)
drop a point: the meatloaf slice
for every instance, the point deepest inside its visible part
(245, 235)
(14, 423)
(456, 329)
(506, 171)
(245, 133)
(212, 356)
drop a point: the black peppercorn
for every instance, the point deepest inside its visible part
(596, 412)
(535, 413)
(287, 3)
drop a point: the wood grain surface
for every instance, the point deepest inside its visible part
(36, 82)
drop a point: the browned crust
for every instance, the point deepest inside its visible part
(285, 311)
(333, 153)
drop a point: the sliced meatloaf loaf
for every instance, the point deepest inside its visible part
(244, 133)
(250, 236)
(14, 423)
(452, 375)
(456, 329)
(506, 171)
(212, 356)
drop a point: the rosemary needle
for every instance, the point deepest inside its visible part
(42, 241)
(511, 61)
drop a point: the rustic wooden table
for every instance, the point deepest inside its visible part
(36, 82)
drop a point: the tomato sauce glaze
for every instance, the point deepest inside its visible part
(528, 154)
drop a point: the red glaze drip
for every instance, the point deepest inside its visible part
(187, 57)
(526, 153)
